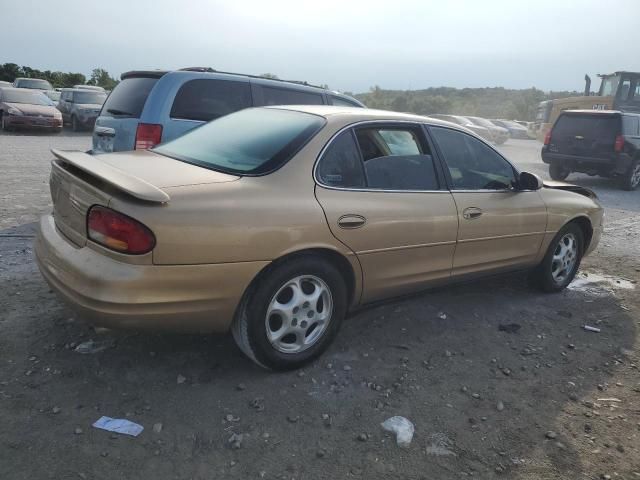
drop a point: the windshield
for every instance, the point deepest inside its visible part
(89, 97)
(34, 83)
(609, 85)
(32, 98)
(253, 141)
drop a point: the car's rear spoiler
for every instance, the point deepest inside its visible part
(115, 177)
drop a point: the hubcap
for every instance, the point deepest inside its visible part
(635, 176)
(564, 258)
(298, 314)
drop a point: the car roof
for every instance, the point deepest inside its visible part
(18, 89)
(362, 114)
(198, 71)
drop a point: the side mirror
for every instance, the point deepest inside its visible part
(529, 181)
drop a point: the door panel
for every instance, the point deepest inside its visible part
(407, 240)
(507, 232)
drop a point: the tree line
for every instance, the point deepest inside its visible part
(100, 77)
(495, 102)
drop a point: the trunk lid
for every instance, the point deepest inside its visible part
(585, 134)
(79, 180)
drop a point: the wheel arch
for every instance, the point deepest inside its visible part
(340, 261)
(584, 223)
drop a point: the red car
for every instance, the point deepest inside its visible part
(27, 108)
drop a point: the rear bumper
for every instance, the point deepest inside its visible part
(618, 164)
(109, 293)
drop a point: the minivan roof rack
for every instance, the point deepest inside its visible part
(211, 70)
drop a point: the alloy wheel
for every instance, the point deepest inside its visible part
(299, 314)
(564, 258)
(635, 175)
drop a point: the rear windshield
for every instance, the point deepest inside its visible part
(249, 142)
(34, 83)
(588, 126)
(127, 99)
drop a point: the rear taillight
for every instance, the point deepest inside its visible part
(148, 135)
(619, 144)
(547, 138)
(118, 232)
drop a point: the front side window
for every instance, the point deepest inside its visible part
(472, 164)
(285, 96)
(379, 159)
(254, 141)
(207, 100)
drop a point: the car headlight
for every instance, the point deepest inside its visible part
(14, 111)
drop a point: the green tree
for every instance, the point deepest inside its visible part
(101, 78)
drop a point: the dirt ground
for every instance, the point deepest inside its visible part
(500, 380)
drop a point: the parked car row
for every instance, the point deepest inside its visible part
(33, 103)
(496, 130)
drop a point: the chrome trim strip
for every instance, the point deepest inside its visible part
(497, 237)
(406, 247)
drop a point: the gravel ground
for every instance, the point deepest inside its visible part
(500, 380)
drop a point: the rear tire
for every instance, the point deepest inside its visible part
(558, 172)
(562, 260)
(292, 314)
(3, 123)
(631, 179)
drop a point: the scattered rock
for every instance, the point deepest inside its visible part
(235, 441)
(476, 396)
(241, 387)
(509, 328)
(551, 435)
(78, 431)
(588, 428)
(442, 315)
(181, 379)
(326, 419)
(231, 418)
(293, 418)
(257, 404)
(363, 437)
(561, 445)
(500, 406)
(157, 427)
(346, 368)
(56, 410)
(321, 453)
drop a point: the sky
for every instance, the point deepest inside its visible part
(349, 45)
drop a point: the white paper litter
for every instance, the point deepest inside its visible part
(119, 425)
(402, 427)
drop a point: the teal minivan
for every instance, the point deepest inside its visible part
(150, 107)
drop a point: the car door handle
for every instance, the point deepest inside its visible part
(471, 213)
(351, 221)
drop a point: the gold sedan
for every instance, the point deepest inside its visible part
(275, 222)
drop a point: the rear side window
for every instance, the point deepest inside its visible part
(284, 96)
(630, 126)
(206, 100)
(386, 158)
(254, 141)
(128, 98)
(342, 102)
(341, 165)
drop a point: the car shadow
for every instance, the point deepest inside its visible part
(445, 359)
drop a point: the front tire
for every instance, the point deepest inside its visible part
(562, 260)
(291, 315)
(631, 180)
(3, 123)
(75, 126)
(558, 172)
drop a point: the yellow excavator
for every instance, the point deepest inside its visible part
(618, 91)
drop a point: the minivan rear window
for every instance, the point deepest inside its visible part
(128, 98)
(254, 141)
